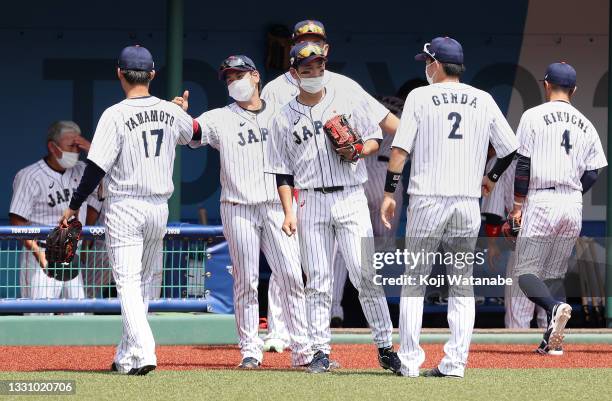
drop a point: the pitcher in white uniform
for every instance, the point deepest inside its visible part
(446, 127)
(558, 160)
(134, 146)
(331, 203)
(251, 211)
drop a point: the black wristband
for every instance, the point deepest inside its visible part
(392, 180)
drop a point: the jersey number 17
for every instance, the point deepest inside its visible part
(159, 133)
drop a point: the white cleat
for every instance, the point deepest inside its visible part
(556, 351)
(274, 345)
(561, 314)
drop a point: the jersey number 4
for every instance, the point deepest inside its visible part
(565, 142)
(457, 120)
(159, 133)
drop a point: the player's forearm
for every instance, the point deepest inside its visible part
(588, 179)
(394, 170)
(370, 147)
(29, 244)
(89, 181)
(285, 192)
(521, 180)
(500, 166)
(390, 123)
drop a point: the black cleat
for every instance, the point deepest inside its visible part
(388, 359)
(249, 363)
(141, 371)
(320, 363)
(435, 372)
(113, 367)
(336, 322)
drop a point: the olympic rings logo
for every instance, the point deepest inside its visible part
(96, 231)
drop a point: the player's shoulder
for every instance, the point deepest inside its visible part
(32, 171)
(335, 78)
(280, 81)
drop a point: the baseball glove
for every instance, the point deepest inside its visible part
(347, 143)
(511, 228)
(60, 249)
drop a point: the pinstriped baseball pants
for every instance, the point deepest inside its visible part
(249, 229)
(323, 220)
(454, 222)
(134, 239)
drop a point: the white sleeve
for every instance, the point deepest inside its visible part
(365, 123)
(501, 135)
(378, 110)
(408, 128)
(106, 143)
(524, 135)
(93, 201)
(596, 157)
(183, 126)
(24, 193)
(277, 153)
(209, 131)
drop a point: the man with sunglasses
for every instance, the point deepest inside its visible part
(282, 90)
(446, 127)
(332, 207)
(251, 211)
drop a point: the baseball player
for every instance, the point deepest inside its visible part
(40, 192)
(134, 146)
(284, 89)
(446, 127)
(495, 208)
(376, 167)
(251, 211)
(558, 161)
(331, 202)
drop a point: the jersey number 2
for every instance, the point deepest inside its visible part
(565, 142)
(457, 117)
(159, 133)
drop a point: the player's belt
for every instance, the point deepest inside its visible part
(328, 190)
(383, 159)
(546, 189)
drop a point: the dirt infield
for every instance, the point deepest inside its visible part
(350, 356)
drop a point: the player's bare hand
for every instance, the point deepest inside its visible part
(387, 210)
(182, 101)
(82, 143)
(290, 224)
(487, 186)
(516, 214)
(66, 216)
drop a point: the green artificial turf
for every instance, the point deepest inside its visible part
(479, 384)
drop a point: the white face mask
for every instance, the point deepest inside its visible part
(312, 85)
(241, 90)
(430, 79)
(68, 159)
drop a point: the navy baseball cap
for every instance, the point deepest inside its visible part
(136, 58)
(304, 53)
(236, 63)
(445, 50)
(309, 27)
(561, 74)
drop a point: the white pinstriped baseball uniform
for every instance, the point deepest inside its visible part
(299, 147)
(446, 127)
(135, 144)
(252, 219)
(40, 195)
(562, 144)
(519, 309)
(282, 90)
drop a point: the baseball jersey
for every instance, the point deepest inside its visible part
(299, 147)
(284, 88)
(240, 137)
(562, 144)
(135, 143)
(447, 127)
(41, 194)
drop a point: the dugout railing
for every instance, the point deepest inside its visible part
(196, 274)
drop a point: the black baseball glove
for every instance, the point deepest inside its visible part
(61, 246)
